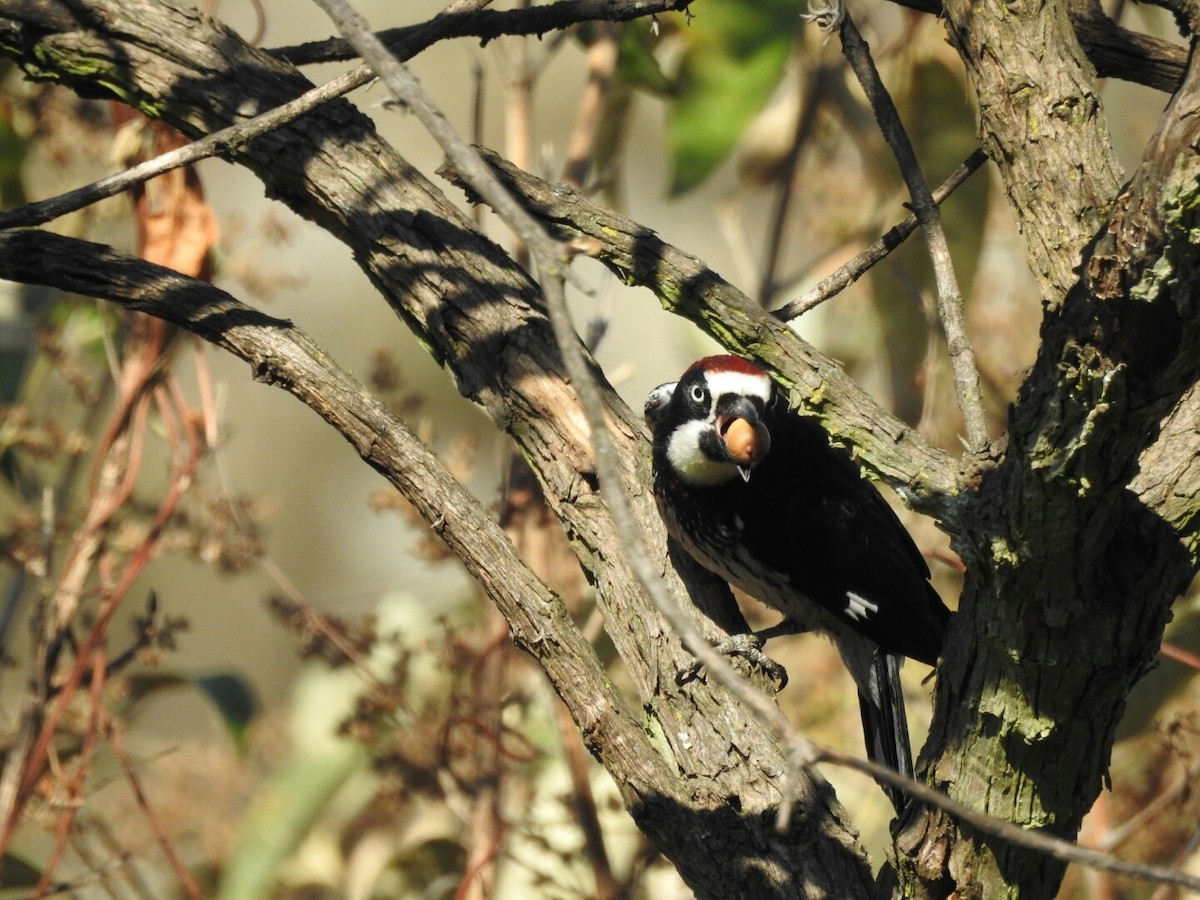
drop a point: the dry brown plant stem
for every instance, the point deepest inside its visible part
(27, 762)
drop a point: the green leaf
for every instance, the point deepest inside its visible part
(231, 695)
(235, 700)
(16, 873)
(636, 63)
(282, 815)
(734, 60)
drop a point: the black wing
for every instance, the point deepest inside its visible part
(815, 519)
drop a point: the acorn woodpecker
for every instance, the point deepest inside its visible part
(754, 492)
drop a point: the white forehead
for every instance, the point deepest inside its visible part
(747, 384)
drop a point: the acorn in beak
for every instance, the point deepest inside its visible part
(745, 438)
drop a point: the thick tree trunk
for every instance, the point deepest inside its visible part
(1073, 563)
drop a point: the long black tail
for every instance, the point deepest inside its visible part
(885, 722)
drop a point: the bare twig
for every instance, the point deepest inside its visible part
(582, 799)
(219, 143)
(1180, 655)
(188, 883)
(1114, 837)
(71, 790)
(489, 24)
(950, 305)
(1030, 838)
(477, 118)
(1189, 849)
(846, 275)
(516, 77)
(36, 747)
(550, 257)
(487, 825)
(454, 20)
(810, 91)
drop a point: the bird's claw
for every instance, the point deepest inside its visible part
(749, 647)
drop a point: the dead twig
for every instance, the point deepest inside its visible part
(837, 281)
(454, 21)
(950, 303)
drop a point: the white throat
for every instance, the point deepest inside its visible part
(693, 466)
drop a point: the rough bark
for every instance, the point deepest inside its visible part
(1077, 540)
(1041, 123)
(1074, 556)
(1072, 566)
(1115, 52)
(477, 311)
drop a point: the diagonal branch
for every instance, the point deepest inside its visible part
(460, 18)
(283, 355)
(488, 24)
(844, 276)
(684, 285)
(949, 296)
(482, 317)
(551, 263)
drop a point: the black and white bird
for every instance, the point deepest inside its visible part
(754, 492)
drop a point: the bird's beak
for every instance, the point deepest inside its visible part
(744, 435)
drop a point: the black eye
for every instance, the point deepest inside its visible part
(698, 393)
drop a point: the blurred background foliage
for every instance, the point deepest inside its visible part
(304, 696)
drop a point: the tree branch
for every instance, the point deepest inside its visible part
(461, 18)
(488, 24)
(551, 262)
(1060, 184)
(687, 287)
(284, 356)
(1116, 52)
(949, 296)
(844, 276)
(1072, 572)
(280, 354)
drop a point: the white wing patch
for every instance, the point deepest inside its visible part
(859, 607)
